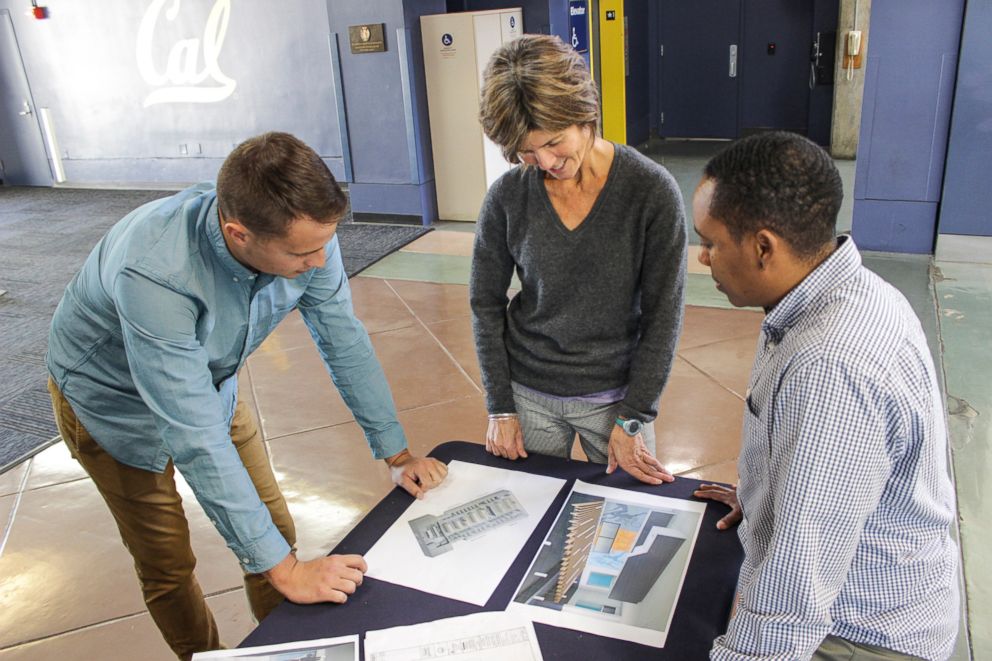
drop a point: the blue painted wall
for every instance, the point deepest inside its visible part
(912, 63)
(966, 205)
(157, 96)
(387, 127)
(103, 84)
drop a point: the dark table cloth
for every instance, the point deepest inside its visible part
(700, 615)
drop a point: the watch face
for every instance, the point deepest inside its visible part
(633, 427)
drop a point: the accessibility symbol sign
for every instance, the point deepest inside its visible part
(578, 24)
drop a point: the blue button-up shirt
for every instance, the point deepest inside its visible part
(148, 339)
(844, 478)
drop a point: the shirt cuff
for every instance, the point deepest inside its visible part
(265, 553)
(630, 413)
(387, 443)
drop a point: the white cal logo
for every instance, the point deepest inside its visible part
(183, 79)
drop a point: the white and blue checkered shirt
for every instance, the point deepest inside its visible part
(843, 477)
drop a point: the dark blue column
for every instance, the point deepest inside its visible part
(967, 200)
(912, 63)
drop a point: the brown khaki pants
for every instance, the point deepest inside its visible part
(153, 526)
(839, 649)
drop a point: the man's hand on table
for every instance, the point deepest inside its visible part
(416, 474)
(725, 495)
(631, 454)
(331, 578)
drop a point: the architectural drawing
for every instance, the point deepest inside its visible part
(615, 557)
(343, 648)
(485, 636)
(437, 534)
(466, 532)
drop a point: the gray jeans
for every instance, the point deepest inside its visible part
(834, 648)
(549, 425)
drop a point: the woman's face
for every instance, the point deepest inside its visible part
(558, 153)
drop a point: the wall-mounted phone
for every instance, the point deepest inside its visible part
(852, 49)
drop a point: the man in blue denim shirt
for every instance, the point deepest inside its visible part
(144, 352)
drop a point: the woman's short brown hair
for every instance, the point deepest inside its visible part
(535, 83)
(273, 179)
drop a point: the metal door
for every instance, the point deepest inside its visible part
(22, 149)
(699, 55)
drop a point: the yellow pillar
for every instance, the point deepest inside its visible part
(611, 52)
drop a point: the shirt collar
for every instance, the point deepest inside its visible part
(843, 263)
(238, 270)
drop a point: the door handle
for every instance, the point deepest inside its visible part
(26, 111)
(733, 61)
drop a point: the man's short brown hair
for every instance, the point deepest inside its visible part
(271, 180)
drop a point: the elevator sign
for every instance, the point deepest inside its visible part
(578, 24)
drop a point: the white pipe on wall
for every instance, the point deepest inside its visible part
(53, 144)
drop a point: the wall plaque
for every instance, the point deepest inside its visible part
(367, 38)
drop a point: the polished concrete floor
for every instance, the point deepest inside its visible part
(68, 590)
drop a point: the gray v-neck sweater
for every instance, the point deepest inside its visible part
(600, 306)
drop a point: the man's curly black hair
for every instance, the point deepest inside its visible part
(778, 181)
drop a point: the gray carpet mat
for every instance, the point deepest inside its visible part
(45, 236)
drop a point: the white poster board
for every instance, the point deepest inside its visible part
(485, 636)
(460, 540)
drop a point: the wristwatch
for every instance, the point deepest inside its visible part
(631, 427)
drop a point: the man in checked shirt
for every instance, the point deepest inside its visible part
(845, 503)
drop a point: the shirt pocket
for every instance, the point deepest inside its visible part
(756, 441)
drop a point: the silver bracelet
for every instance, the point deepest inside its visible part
(502, 416)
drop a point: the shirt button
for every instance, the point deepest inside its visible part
(245, 561)
(235, 279)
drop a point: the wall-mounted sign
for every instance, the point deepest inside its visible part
(183, 79)
(367, 38)
(448, 49)
(578, 24)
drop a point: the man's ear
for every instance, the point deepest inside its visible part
(235, 231)
(767, 246)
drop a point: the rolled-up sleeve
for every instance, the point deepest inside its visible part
(170, 370)
(347, 352)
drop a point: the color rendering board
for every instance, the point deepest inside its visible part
(613, 564)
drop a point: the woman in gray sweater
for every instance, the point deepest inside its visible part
(596, 234)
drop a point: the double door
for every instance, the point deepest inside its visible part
(728, 68)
